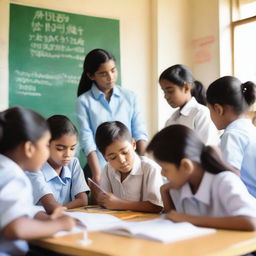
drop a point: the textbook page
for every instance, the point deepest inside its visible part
(160, 230)
(96, 221)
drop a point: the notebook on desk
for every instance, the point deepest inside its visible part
(159, 229)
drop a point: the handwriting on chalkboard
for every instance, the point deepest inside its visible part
(54, 36)
(28, 82)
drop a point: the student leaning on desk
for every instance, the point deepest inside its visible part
(60, 181)
(202, 189)
(129, 182)
(24, 145)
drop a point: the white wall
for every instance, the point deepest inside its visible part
(205, 40)
(154, 34)
(173, 33)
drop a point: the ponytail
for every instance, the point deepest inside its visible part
(2, 123)
(212, 161)
(249, 92)
(198, 91)
(85, 84)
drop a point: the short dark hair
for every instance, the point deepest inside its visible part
(176, 142)
(18, 125)
(108, 132)
(60, 125)
(229, 90)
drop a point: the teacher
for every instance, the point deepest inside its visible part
(100, 100)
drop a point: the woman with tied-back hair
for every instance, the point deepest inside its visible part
(182, 91)
(100, 100)
(229, 100)
(201, 189)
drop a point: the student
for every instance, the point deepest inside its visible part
(202, 190)
(61, 180)
(101, 100)
(229, 100)
(130, 182)
(24, 141)
(182, 91)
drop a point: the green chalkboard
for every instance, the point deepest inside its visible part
(46, 53)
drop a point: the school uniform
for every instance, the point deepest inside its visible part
(197, 117)
(142, 184)
(64, 188)
(93, 109)
(218, 195)
(238, 146)
(16, 201)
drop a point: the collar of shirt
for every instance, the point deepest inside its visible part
(242, 122)
(50, 173)
(136, 170)
(98, 93)
(239, 124)
(203, 192)
(185, 111)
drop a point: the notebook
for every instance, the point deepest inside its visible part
(160, 229)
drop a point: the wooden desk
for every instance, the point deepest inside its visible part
(220, 243)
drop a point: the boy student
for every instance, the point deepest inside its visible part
(128, 182)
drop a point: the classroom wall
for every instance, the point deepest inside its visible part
(135, 40)
(172, 47)
(154, 34)
(205, 39)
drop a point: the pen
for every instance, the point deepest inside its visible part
(97, 186)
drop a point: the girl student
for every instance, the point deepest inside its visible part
(182, 91)
(229, 100)
(201, 190)
(24, 142)
(60, 180)
(101, 100)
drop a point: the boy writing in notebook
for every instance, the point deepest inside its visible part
(129, 182)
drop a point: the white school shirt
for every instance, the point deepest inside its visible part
(64, 187)
(142, 184)
(219, 195)
(197, 117)
(238, 147)
(16, 201)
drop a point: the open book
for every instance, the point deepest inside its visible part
(159, 229)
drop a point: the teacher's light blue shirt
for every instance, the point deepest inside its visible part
(93, 109)
(238, 146)
(64, 187)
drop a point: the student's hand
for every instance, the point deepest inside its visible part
(108, 201)
(177, 216)
(96, 178)
(57, 212)
(165, 188)
(66, 222)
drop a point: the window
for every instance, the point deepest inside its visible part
(244, 39)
